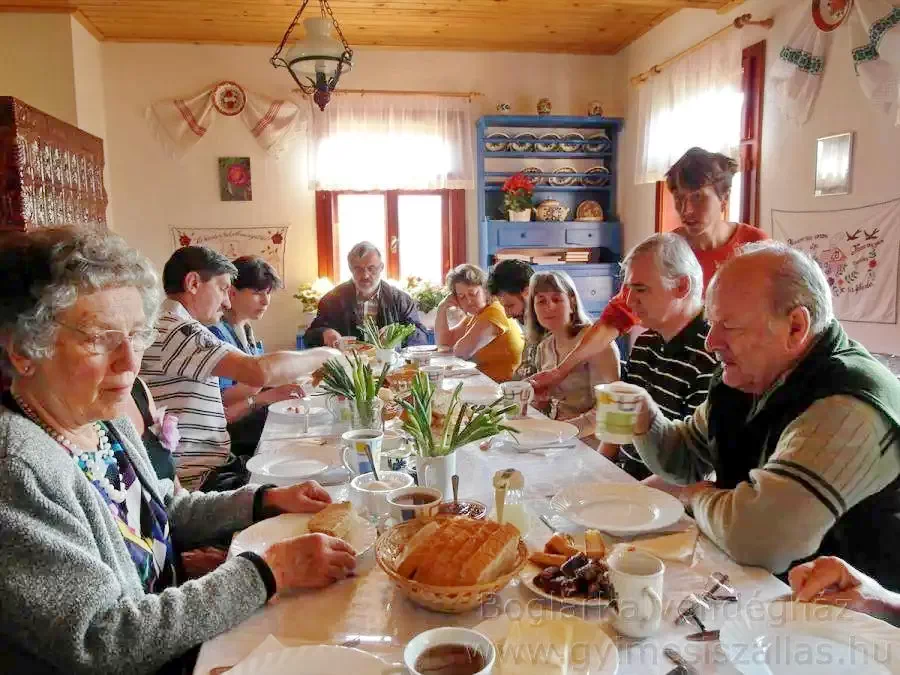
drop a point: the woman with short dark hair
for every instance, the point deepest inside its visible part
(700, 183)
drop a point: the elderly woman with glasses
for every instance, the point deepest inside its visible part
(485, 335)
(90, 536)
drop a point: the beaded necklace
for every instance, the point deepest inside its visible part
(94, 463)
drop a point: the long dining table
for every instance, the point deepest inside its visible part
(368, 609)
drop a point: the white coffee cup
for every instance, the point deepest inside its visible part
(354, 455)
(435, 375)
(374, 502)
(470, 639)
(402, 512)
(617, 405)
(517, 393)
(637, 578)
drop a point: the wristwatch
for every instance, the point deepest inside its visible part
(251, 402)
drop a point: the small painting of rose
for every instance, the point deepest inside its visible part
(234, 179)
(184, 240)
(277, 238)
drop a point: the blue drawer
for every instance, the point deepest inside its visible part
(526, 235)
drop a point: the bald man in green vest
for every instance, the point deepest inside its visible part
(800, 427)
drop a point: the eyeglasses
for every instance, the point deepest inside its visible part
(371, 269)
(108, 341)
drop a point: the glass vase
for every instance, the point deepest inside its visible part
(366, 414)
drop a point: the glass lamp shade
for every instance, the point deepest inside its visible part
(318, 53)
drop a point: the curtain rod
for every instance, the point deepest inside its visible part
(739, 22)
(445, 94)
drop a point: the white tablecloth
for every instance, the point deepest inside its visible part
(368, 605)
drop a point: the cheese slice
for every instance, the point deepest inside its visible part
(540, 647)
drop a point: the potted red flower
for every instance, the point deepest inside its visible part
(517, 191)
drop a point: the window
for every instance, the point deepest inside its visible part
(419, 233)
(743, 203)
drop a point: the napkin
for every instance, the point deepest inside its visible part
(678, 547)
(268, 646)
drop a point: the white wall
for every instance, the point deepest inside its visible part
(151, 192)
(788, 151)
(36, 62)
(88, 77)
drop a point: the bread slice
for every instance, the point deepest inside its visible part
(492, 558)
(335, 520)
(478, 532)
(452, 536)
(416, 550)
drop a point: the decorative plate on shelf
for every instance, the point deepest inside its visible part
(599, 143)
(551, 210)
(523, 142)
(589, 210)
(560, 177)
(571, 147)
(597, 176)
(534, 173)
(496, 142)
(547, 143)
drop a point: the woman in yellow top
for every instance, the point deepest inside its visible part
(486, 335)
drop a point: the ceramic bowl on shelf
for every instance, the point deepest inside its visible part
(534, 173)
(551, 210)
(598, 143)
(523, 142)
(496, 142)
(565, 146)
(547, 143)
(561, 176)
(596, 176)
(589, 210)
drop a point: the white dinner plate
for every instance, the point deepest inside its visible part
(618, 509)
(478, 394)
(420, 349)
(312, 660)
(259, 536)
(809, 639)
(292, 463)
(535, 432)
(293, 410)
(592, 651)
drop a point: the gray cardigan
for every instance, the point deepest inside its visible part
(70, 597)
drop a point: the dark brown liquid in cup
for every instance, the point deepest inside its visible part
(450, 659)
(414, 499)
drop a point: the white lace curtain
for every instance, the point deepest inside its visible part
(696, 101)
(392, 142)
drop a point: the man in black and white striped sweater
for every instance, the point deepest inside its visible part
(801, 426)
(664, 286)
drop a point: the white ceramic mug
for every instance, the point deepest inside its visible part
(436, 472)
(374, 502)
(519, 394)
(419, 358)
(637, 578)
(617, 405)
(354, 454)
(435, 375)
(480, 645)
(401, 512)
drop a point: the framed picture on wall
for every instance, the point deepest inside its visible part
(834, 164)
(234, 179)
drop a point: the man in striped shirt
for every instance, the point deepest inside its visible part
(183, 366)
(801, 426)
(663, 286)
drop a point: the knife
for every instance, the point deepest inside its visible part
(682, 667)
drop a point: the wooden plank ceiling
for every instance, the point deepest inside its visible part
(570, 26)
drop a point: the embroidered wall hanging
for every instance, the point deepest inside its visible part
(266, 242)
(178, 124)
(858, 249)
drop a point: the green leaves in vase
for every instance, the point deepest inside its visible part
(360, 384)
(388, 337)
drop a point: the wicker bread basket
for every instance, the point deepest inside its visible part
(446, 599)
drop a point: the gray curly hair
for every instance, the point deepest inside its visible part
(46, 271)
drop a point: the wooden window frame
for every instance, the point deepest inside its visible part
(753, 64)
(453, 229)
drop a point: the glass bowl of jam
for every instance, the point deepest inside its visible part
(464, 507)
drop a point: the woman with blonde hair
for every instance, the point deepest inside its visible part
(486, 335)
(555, 318)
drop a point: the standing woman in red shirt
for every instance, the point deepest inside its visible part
(700, 183)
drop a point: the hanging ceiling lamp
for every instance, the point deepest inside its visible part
(317, 61)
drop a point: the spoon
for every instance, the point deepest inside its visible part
(454, 479)
(372, 462)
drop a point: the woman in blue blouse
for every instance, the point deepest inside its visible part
(250, 294)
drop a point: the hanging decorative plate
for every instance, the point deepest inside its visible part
(523, 142)
(597, 176)
(560, 178)
(829, 14)
(571, 147)
(535, 174)
(547, 143)
(229, 99)
(589, 210)
(496, 142)
(598, 143)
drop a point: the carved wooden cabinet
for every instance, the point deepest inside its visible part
(51, 173)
